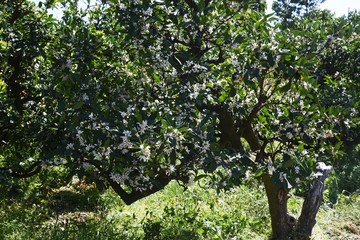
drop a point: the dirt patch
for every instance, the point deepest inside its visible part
(73, 217)
(352, 228)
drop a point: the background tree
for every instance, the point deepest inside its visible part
(140, 93)
(289, 10)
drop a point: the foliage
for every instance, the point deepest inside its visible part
(346, 179)
(134, 94)
(289, 10)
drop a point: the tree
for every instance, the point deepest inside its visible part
(288, 10)
(145, 92)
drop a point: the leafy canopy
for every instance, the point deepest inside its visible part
(143, 92)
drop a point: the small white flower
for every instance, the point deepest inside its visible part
(91, 116)
(271, 168)
(206, 146)
(68, 63)
(85, 97)
(235, 62)
(145, 153)
(148, 12)
(127, 133)
(282, 176)
(170, 170)
(86, 166)
(247, 174)
(289, 135)
(115, 177)
(70, 146)
(123, 114)
(328, 133)
(143, 126)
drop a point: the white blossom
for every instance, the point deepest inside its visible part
(289, 135)
(127, 133)
(271, 168)
(148, 12)
(170, 170)
(145, 153)
(282, 176)
(115, 177)
(143, 126)
(86, 166)
(68, 63)
(85, 97)
(70, 146)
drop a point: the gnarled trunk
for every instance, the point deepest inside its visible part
(312, 202)
(283, 224)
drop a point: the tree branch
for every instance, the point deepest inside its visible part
(16, 90)
(250, 136)
(261, 100)
(134, 195)
(228, 131)
(23, 173)
(220, 58)
(312, 201)
(160, 181)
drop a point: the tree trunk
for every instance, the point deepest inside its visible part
(312, 202)
(281, 222)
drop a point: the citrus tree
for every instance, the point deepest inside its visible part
(288, 10)
(139, 93)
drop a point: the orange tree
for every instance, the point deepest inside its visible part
(139, 93)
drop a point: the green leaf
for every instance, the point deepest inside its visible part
(107, 143)
(338, 145)
(201, 6)
(288, 163)
(164, 123)
(223, 97)
(285, 88)
(78, 105)
(259, 172)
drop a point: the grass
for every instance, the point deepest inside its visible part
(342, 221)
(82, 212)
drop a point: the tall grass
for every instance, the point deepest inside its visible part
(197, 213)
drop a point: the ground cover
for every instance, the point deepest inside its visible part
(80, 211)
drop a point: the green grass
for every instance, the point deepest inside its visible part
(197, 213)
(341, 221)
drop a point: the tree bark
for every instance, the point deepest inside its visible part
(281, 221)
(312, 202)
